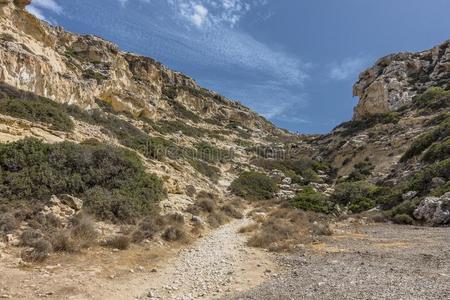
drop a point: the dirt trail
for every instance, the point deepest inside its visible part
(213, 266)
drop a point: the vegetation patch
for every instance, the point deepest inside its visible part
(112, 181)
(205, 169)
(441, 132)
(254, 186)
(433, 99)
(302, 170)
(357, 196)
(310, 200)
(355, 126)
(30, 107)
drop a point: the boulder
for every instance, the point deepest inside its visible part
(73, 202)
(287, 180)
(409, 195)
(434, 210)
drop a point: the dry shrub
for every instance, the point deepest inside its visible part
(378, 218)
(29, 237)
(191, 190)
(39, 252)
(121, 242)
(272, 232)
(321, 229)
(148, 228)
(231, 211)
(174, 218)
(8, 223)
(207, 205)
(62, 241)
(83, 230)
(217, 219)
(174, 234)
(280, 230)
(249, 228)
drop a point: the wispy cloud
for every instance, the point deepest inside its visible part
(202, 38)
(347, 69)
(37, 8)
(213, 12)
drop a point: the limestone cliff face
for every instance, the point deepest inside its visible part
(70, 68)
(395, 79)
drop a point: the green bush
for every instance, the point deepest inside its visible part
(34, 109)
(354, 126)
(310, 200)
(406, 207)
(298, 168)
(422, 180)
(388, 197)
(174, 126)
(184, 113)
(437, 151)
(427, 139)
(254, 186)
(403, 219)
(210, 153)
(127, 134)
(361, 171)
(434, 98)
(356, 195)
(205, 169)
(111, 180)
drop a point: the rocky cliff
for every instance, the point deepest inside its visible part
(395, 79)
(74, 69)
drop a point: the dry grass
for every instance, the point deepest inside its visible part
(249, 228)
(8, 223)
(175, 234)
(121, 242)
(280, 229)
(39, 252)
(231, 211)
(62, 241)
(217, 219)
(83, 230)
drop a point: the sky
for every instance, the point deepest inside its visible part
(292, 61)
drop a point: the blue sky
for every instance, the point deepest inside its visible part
(293, 61)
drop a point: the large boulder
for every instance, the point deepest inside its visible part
(434, 210)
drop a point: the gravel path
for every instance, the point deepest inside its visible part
(378, 262)
(213, 267)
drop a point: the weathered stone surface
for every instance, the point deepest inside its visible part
(434, 210)
(395, 79)
(75, 69)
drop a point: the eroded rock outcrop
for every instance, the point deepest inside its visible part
(69, 68)
(434, 210)
(395, 79)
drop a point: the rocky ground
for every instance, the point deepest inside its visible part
(358, 262)
(374, 262)
(214, 266)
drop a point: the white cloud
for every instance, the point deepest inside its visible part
(199, 15)
(347, 68)
(36, 12)
(48, 5)
(214, 12)
(37, 8)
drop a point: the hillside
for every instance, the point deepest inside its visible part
(111, 164)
